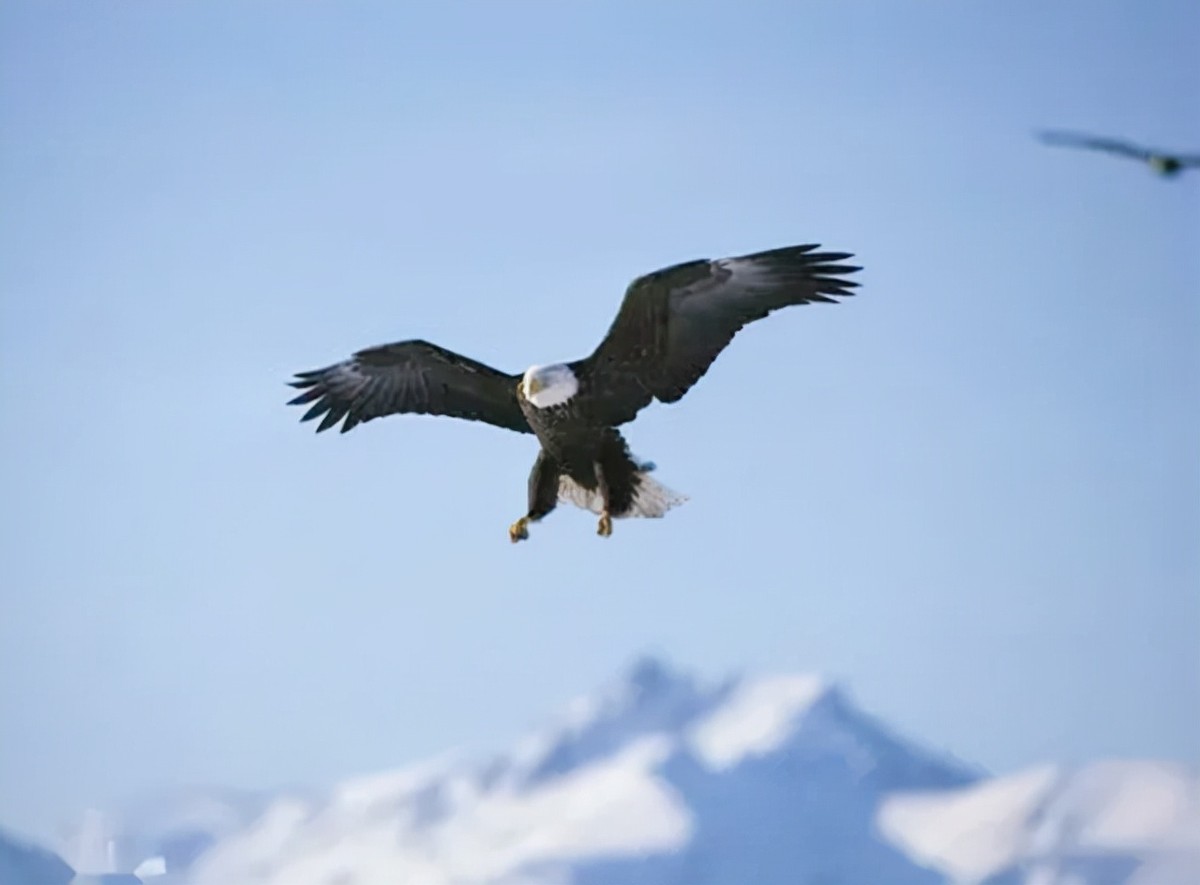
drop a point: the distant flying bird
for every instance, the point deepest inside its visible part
(670, 327)
(1165, 164)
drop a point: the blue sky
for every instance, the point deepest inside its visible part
(970, 493)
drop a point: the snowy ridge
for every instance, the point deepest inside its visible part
(660, 779)
(756, 719)
(1132, 822)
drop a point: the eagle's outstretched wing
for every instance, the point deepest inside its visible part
(409, 377)
(674, 322)
(1094, 143)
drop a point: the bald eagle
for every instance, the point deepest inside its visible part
(1165, 164)
(670, 327)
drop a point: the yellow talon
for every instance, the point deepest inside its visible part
(519, 530)
(604, 529)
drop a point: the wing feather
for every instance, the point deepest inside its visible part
(1091, 142)
(674, 322)
(413, 377)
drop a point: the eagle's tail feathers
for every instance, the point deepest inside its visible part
(650, 499)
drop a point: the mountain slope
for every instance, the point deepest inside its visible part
(654, 780)
(1110, 823)
(659, 779)
(24, 864)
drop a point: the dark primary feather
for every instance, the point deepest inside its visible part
(409, 376)
(674, 322)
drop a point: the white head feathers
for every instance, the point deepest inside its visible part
(548, 386)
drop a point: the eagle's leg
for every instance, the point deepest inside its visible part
(543, 495)
(604, 527)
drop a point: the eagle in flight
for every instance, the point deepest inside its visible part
(670, 327)
(1165, 164)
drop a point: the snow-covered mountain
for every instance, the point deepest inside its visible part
(1110, 823)
(658, 779)
(25, 864)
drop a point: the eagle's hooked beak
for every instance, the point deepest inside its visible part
(533, 386)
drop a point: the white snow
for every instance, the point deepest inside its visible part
(612, 808)
(617, 806)
(1116, 821)
(383, 790)
(658, 779)
(1133, 805)
(756, 720)
(969, 834)
(151, 867)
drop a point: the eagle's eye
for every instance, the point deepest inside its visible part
(533, 386)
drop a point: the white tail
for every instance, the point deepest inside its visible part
(652, 498)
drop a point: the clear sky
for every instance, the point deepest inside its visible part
(971, 493)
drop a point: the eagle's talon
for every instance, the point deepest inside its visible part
(519, 530)
(604, 528)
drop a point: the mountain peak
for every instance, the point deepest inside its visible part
(661, 778)
(650, 674)
(723, 724)
(649, 697)
(648, 681)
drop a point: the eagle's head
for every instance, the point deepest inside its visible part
(548, 386)
(1164, 165)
